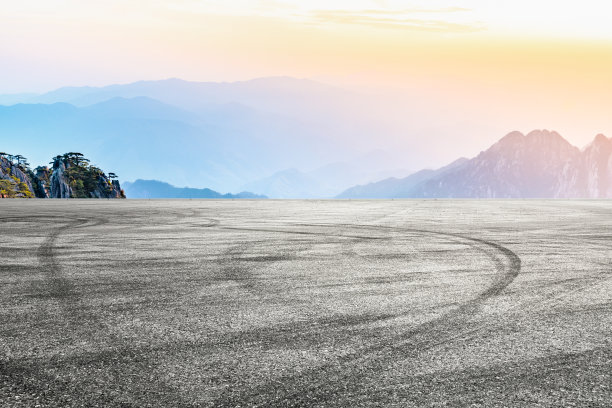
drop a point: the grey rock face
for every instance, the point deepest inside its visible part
(541, 164)
(107, 189)
(55, 183)
(517, 166)
(597, 168)
(4, 169)
(59, 188)
(117, 191)
(9, 170)
(42, 181)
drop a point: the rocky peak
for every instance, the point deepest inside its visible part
(511, 139)
(597, 168)
(58, 184)
(14, 177)
(541, 164)
(538, 145)
(601, 142)
(71, 176)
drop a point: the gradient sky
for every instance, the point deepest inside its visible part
(521, 64)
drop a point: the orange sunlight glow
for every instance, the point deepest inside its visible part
(546, 62)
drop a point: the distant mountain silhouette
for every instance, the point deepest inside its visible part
(159, 189)
(121, 135)
(13, 99)
(289, 183)
(216, 135)
(541, 164)
(325, 181)
(397, 188)
(141, 107)
(279, 95)
(260, 135)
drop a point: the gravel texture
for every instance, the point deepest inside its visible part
(305, 303)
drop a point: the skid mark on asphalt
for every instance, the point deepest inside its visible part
(55, 285)
(237, 265)
(292, 232)
(210, 222)
(79, 324)
(231, 269)
(319, 385)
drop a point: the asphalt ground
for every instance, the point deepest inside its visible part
(305, 303)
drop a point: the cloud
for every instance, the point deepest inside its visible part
(407, 19)
(415, 10)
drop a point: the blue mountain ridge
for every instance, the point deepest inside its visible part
(146, 189)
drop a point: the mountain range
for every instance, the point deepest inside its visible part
(158, 189)
(223, 136)
(325, 181)
(541, 164)
(283, 138)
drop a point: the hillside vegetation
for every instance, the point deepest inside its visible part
(70, 176)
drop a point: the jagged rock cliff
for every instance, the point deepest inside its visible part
(41, 182)
(58, 185)
(71, 176)
(541, 164)
(517, 166)
(14, 180)
(594, 178)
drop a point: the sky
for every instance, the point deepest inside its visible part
(490, 66)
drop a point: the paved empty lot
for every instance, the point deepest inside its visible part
(305, 303)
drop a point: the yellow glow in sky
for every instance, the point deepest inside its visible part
(123, 40)
(566, 19)
(541, 61)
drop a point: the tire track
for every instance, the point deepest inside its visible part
(79, 324)
(317, 386)
(210, 222)
(236, 267)
(277, 231)
(231, 268)
(235, 264)
(55, 284)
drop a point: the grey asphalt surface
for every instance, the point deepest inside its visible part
(305, 303)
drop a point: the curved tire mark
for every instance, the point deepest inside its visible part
(55, 285)
(318, 385)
